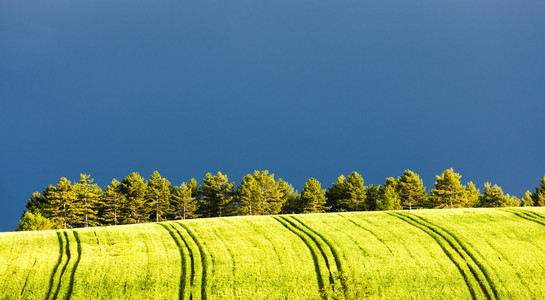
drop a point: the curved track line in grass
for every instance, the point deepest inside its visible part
(231, 254)
(350, 236)
(52, 277)
(317, 243)
(191, 264)
(529, 216)
(262, 233)
(96, 237)
(481, 271)
(502, 257)
(329, 245)
(204, 261)
(313, 253)
(27, 276)
(64, 267)
(368, 231)
(533, 213)
(481, 264)
(191, 261)
(73, 271)
(182, 257)
(451, 253)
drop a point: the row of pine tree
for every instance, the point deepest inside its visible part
(136, 200)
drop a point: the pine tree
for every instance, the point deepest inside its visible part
(448, 191)
(539, 194)
(335, 192)
(184, 204)
(113, 201)
(288, 197)
(87, 201)
(389, 196)
(356, 193)
(194, 187)
(135, 209)
(493, 197)
(62, 207)
(37, 203)
(312, 197)
(258, 194)
(158, 196)
(217, 196)
(372, 196)
(526, 199)
(472, 197)
(347, 194)
(412, 192)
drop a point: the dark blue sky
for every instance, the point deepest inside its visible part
(301, 88)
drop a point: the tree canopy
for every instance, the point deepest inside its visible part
(137, 200)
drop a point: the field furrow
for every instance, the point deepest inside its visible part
(481, 270)
(376, 236)
(532, 217)
(509, 248)
(535, 214)
(203, 259)
(421, 254)
(327, 247)
(318, 256)
(176, 237)
(74, 268)
(230, 258)
(28, 276)
(65, 265)
(57, 265)
(455, 254)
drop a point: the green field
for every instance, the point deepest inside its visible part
(424, 254)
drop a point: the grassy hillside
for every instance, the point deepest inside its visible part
(466, 253)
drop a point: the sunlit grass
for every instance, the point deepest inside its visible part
(424, 254)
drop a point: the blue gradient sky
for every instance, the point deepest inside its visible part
(301, 88)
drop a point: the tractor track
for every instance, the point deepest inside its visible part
(469, 267)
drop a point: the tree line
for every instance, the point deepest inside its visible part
(136, 200)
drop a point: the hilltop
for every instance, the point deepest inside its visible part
(458, 253)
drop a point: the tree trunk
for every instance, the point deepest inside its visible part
(86, 212)
(64, 214)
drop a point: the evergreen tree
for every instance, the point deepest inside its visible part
(87, 201)
(526, 199)
(113, 201)
(62, 203)
(135, 209)
(539, 194)
(335, 192)
(194, 187)
(217, 196)
(494, 197)
(312, 197)
(37, 203)
(448, 191)
(389, 196)
(372, 196)
(258, 194)
(472, 196)
(288, 197)
(347, 194)
(158, 196)
(412, 192)
(356, 193)
(184, 204)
